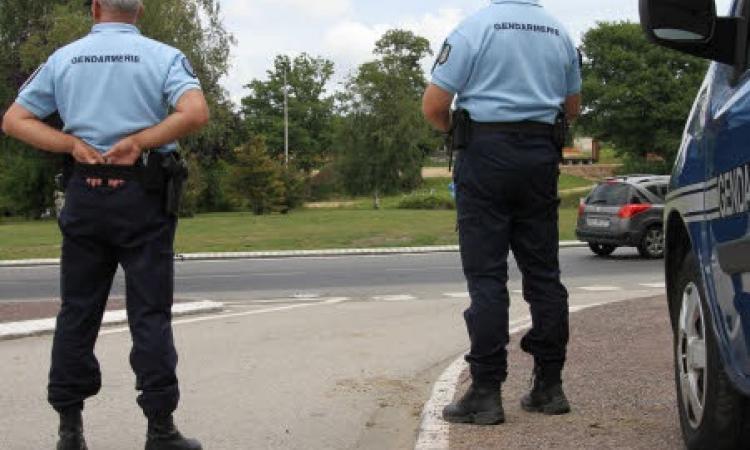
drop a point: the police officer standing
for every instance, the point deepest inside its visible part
(516, 73)
(113, 90)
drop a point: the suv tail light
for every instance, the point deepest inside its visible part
(581, 208)
(628, 211)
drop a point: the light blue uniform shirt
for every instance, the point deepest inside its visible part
(510, 62)
(109, 85)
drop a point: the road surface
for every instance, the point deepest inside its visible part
(315, 353)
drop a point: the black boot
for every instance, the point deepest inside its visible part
(71, 431)
(546, 396)
(163, 435)
(482, 405)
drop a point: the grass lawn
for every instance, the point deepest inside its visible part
(356, 226)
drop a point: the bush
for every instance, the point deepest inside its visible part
(27, 181)
(257, 179)
(294, 188)
(429, 201)
(193, 188)
(324, 185)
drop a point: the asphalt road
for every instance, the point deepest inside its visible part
(365, 276)
(347, 363)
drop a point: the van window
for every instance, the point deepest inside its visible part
(610, 194)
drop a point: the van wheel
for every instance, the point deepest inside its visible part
(712, 412)
(652, 243)
(602, 249)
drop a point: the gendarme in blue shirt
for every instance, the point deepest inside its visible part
(109, 85)
(510, 62)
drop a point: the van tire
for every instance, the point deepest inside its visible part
(724, 422)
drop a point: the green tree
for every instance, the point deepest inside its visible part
(382, 137)
(257, 178)
(310, 109)
(30, 30)
(636, 95)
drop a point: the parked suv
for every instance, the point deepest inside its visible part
(625, 212)
(707, 224)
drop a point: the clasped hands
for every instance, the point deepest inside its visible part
(124, 153)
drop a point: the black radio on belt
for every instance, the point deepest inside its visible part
(560, 131)
(459, 134)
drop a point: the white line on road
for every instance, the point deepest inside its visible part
(421, 269)
(305, 296)
(457, 295)
(27, 328)
(661, 285)
(600, 288)
(330, 301)
(434, 432)
(394, 298)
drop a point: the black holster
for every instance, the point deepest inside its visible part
(176, 172)
(459, 135)
(560, 131)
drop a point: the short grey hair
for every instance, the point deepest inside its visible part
(127, 6)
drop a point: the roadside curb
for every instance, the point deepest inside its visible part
(286, 254)
(39, 327)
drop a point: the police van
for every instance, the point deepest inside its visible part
(707, 224)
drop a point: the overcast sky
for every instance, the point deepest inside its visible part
(345, 31)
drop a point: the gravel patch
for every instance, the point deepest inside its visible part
(619, 380)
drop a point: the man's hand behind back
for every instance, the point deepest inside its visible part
(85, 154)
(124, 153)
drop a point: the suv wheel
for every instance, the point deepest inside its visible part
(711, 410)
(652, 243)
(602, 249)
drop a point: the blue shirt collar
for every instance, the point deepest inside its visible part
(115, 27)
(528, 2)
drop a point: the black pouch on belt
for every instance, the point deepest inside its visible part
(176, 171)
(560, 131)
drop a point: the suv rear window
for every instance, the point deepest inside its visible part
(610, 194)
(660, 190)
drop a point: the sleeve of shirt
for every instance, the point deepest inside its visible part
(574, 74)
(37, 94)
(454, 64)
(180, 79)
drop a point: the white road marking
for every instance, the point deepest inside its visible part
(239, 276)
(419, 269)
(600, 288)
(434, 432)
(330, 301)
(457, 295)
(14, 330)
(283, 300)
(654, 285)
(394, 298)
(305, 296)
(518, 291)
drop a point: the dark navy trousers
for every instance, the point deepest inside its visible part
(102, 228)
(507, 199)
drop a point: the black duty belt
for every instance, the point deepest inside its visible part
(527, 127)
(148, 170)
(109, 171)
